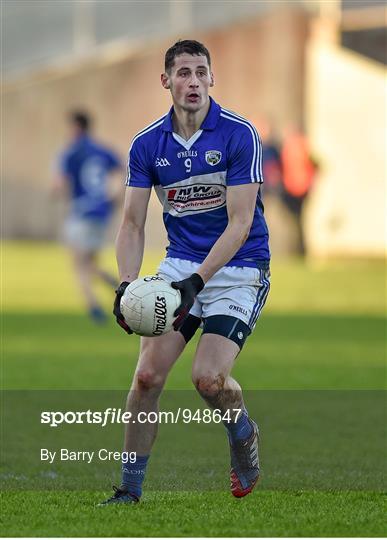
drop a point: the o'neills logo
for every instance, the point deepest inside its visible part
(160, 315)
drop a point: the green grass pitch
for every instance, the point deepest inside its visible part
(322, 333)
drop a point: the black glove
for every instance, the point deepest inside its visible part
(189, 289)
(117, 308)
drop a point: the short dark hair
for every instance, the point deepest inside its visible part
(185, 46)
(81, 119)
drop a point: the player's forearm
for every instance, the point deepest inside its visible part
(129, 251)
(224, 249)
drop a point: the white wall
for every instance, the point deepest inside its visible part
(346, 115)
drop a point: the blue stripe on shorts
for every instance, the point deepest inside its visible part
(261, 299)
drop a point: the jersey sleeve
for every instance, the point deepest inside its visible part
(245, 157)
(139, 172)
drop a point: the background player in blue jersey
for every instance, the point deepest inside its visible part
(205, 165)
(84, 176)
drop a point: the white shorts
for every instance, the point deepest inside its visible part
(84, 234)
(239, 292)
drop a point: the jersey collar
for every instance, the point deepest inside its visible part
(209, 123)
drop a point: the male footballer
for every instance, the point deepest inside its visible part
(205, 165)
(85, 176)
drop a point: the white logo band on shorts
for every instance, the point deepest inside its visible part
(239, 292)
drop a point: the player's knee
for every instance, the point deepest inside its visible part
(208, 385)
(148, 379)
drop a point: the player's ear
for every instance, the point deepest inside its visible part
(212, 83)
(165, 81)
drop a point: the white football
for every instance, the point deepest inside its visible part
(148, 304)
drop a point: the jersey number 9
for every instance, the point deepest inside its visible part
(188, 165)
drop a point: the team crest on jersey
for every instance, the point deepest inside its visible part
(213, 157)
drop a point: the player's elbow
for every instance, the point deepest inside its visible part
(130, 224)
(245, 231)
(241, 226)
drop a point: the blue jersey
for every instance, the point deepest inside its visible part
(191, 179)
(85, 164)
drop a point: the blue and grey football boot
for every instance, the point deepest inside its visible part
(121, 496)
(244, 472)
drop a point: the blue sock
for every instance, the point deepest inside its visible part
(241, 429)
(133, 475)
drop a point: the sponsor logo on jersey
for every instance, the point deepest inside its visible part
(197, 197)
(238, 308)
(213, 157)
(162, 162)
(187, 153)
